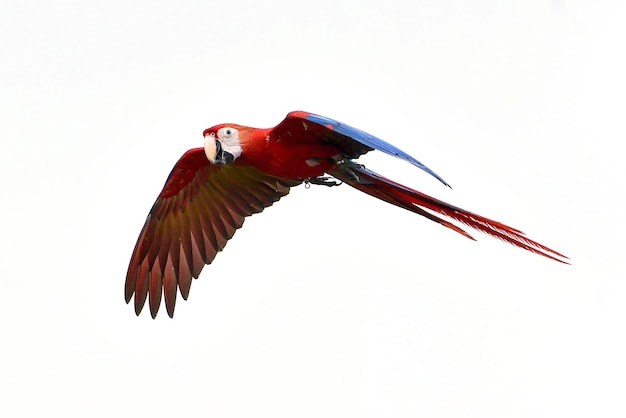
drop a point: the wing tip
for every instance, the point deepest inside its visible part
(154, 310)
(138, 306)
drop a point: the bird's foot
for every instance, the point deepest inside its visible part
(320, 181)
(349, 167)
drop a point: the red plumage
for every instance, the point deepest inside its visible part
(242, 170)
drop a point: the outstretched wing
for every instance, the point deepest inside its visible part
(197, 212)
(389, 191)
(352, 141)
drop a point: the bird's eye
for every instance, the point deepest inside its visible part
(227, 131)
(212, 134)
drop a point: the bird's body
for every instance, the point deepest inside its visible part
(240, 171)
(285, 156)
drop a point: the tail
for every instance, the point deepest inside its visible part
(375, 185)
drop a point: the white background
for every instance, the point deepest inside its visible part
(330, 303)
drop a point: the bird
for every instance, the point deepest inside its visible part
(241, 170)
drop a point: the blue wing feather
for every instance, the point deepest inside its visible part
(372, 142)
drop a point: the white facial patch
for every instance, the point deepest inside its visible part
(229, 138)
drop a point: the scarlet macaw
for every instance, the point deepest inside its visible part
(242, 170)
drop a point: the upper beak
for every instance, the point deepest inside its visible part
(212, 148)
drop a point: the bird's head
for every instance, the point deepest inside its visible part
(222, 143)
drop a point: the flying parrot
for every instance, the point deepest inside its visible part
(242, 170)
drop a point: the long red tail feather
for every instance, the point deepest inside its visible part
(382, 188)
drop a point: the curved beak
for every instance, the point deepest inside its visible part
(214, 151)
(212, 148)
